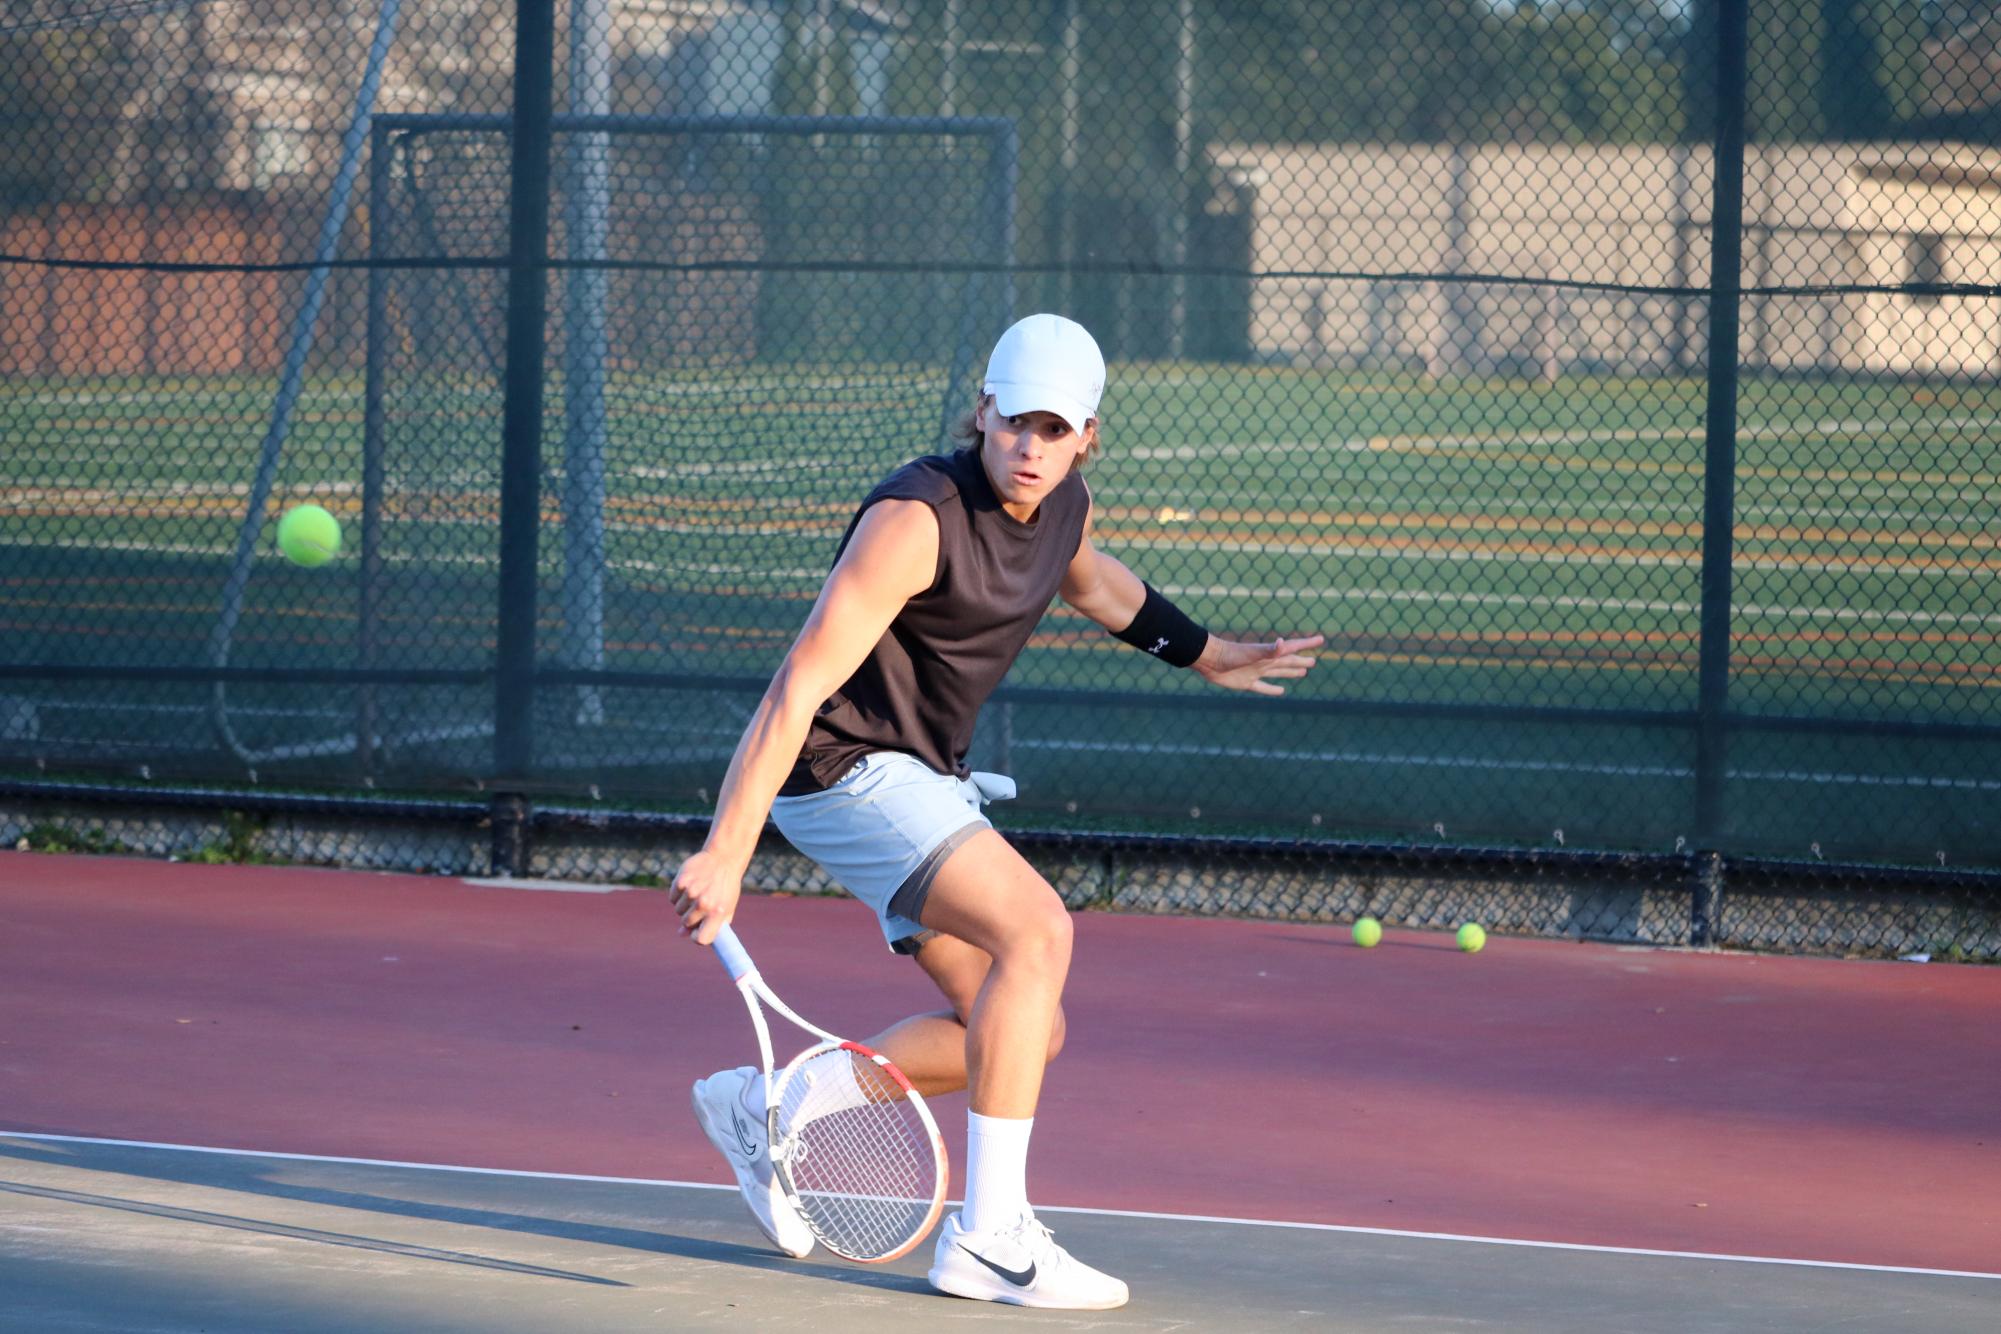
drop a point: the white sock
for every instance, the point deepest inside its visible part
(827, 1084)
(996, 1171)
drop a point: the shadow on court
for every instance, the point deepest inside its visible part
(108, 1236)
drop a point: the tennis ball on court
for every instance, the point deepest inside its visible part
(1472, 937)
(1368, 932)
(308, 535)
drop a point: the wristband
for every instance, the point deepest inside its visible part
(1164, 630)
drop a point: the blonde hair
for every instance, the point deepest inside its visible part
(965, 433)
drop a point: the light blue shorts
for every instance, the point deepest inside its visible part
(883, 830)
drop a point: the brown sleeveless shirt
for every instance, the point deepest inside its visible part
(920, 689)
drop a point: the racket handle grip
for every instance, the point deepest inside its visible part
(731, 952)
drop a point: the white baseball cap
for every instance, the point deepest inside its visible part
(1046, 363)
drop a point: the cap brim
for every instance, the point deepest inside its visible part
(1013, 400)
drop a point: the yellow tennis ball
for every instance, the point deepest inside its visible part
(308, 535)
(1472, 937)
(1368, 932)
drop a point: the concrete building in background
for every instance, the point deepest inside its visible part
(1532, 220)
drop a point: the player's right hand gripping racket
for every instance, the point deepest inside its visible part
(852, 1143)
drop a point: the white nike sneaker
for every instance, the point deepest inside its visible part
(1021, 1265)
(725, 1104)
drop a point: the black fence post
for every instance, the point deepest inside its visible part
(521, 430)
(1720, 449)
(1707, 905)
(373, 429)
(507, 826)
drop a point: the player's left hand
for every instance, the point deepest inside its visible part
(1254, 667)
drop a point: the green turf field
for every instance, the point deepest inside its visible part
(1484, 542)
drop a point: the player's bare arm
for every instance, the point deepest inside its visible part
(1103, 588)
(892, 557)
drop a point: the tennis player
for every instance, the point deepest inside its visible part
(858, 753)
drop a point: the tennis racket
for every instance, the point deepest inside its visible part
(852, 1143)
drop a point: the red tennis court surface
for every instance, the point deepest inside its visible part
(1801, 1108)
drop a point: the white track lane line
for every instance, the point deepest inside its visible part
(1223, 1219)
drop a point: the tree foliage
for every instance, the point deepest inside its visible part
(54, 140)
(1817, 70)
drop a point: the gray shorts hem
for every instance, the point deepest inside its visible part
(908, 900)
(877, 833)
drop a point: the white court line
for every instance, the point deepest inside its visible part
(93, 489)
(1572, 603)
(1488, 553)
(1224, 1219)
(42, 1137)
(674, 471)
(1511, 766)
(1517, 1241)
(196, 710)
(1477, 507)
(268, 557)
(1368, 757)
(89, 398)
(1394, 441)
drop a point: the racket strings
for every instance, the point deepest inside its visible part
(860, 1159)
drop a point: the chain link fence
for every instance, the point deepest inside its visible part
(1612, 382)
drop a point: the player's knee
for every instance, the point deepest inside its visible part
(1041, 940)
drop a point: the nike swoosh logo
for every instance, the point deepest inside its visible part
(1020, 1278)
(743, 1139)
